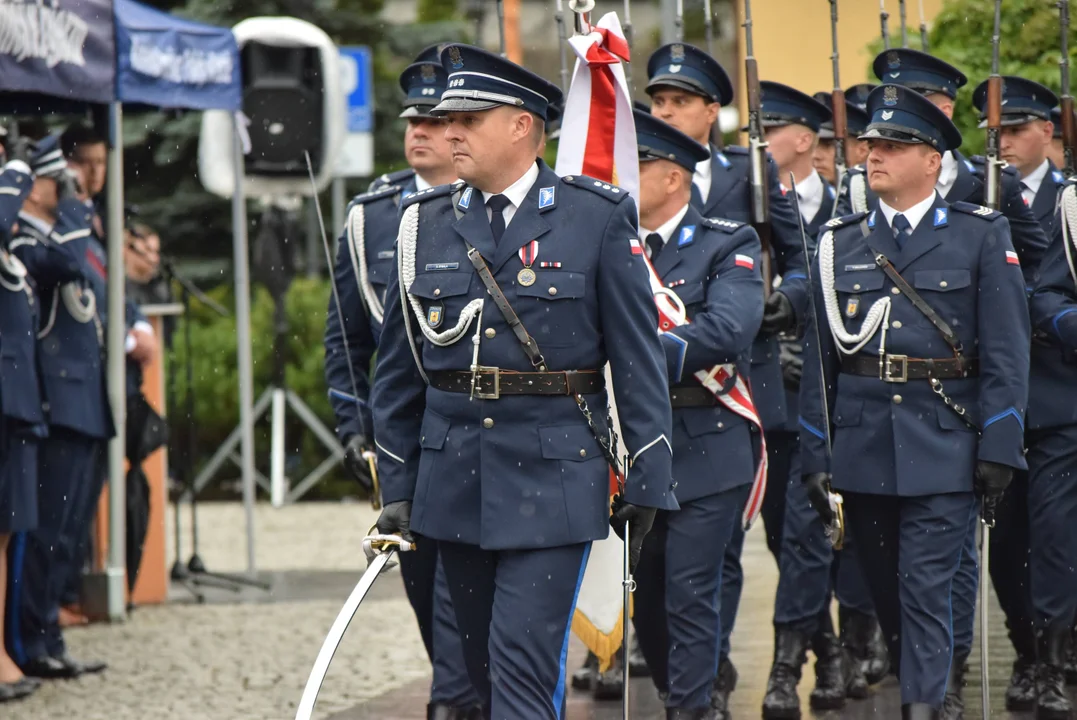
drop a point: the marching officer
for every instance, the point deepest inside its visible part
(687, 89)
(712, 266)
(924, 348)
(515, 288)
(1052, 464)
(365, 257)
(856, 121)
(77, 419)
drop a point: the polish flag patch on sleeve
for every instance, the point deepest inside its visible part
(637, 249)
(1011, 258)
(745, 261)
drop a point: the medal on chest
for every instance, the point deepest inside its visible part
(528, 254)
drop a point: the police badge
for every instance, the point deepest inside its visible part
(893, 60)
(852, 306)
(455, 59)
(676, 53)
(890, 95)
(426, 72)
(435, 314)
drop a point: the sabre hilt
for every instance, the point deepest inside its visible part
(375, 544)
(375, 485)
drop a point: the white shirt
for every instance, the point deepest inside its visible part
(42, 225)
(666, 230)
(516, 193)
(809, 196)
(947, 175)
(914, 214)
(1033, 180)
(421, 184)
(702, 177)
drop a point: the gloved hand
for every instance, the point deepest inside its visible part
(19, 149)
(639, 520)
(395, 519)
(791, 357)
(778, 314)
(992, 479)
(354, 448)
(818, 488)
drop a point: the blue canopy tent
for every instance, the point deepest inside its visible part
(73, 55)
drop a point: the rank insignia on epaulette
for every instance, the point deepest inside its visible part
(983, 211)
(852, 306)
(687, 235)
(435, 314)
(546, 197)
(940, 217)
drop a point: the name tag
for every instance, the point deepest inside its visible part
(386, 254)
(858, 268)
(434, 267)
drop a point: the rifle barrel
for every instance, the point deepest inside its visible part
(708, 24)
(678, 22)
(993, 190)
(923, 29)
(1069, 126)
(904, 25)
(562, 43)
(760, 210)
(837, 100)
(883, 18)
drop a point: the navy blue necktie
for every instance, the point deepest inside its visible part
(902, 230)
(497, 205)
(655, 245)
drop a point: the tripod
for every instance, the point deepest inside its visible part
(194, 574)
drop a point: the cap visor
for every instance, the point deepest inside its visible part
(826, 133)
(450, 105)
(422, 111)
(1013, 120)
(891, 136)
(679, 82)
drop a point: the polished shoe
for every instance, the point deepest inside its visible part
(861, 635)
(1021, 693)
(919, 711)
(584, 678)
(610, 685)
(1071, 660)
(1051, 700)
(21, 688)
(49, 668)
(725, 682)
(441, 711)
(953, 703)
(691, 714)
(87, 667)
(829, 690)
(637, 664)
(781, 701)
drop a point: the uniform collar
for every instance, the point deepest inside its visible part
(42, 226)
(667, 228)
(914, 214)
(948, 174)
(809, 188)
(703, 168)
(1035, 178)
(421, 184)
(517, 192)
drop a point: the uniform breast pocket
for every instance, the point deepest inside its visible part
(551, 307)
(443, 295)
(944, 291)
(854, 289)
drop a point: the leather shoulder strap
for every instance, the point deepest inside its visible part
(947, 332)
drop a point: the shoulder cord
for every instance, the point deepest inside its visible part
(12, 267)
(357, 247)
(1068, 204)
(858, 192)
(878, 315)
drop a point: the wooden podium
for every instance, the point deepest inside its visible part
(152, 585)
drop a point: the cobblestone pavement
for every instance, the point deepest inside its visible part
(246, 656)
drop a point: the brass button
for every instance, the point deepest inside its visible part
(553, 291)
(897, 399)
(894, 291)
(488, 423)
(490, 332)
(721, 425)
(856, 287)
(942, 284)
(437, 291)
(583, 453)
(897, 324)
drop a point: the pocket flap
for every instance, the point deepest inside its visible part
(65, 369)
(554, 285)
(378, 273)
(705, 421)
(437, 285)
(847, 411)
(568, 442)
(941, 280)
(434, 431)
(855, 282)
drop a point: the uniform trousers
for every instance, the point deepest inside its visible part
(1052, 506)
(910, 549)
(514, 611)
(18, 481)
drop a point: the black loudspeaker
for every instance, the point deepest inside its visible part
(284, 97)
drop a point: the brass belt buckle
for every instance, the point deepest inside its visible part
(888, 374)
(477, 371)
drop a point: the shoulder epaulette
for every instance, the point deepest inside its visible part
(845, 220)
(431, 193)
(603, 189)
(727, 226)
(974, 209)
(377, 194)
(394, 178)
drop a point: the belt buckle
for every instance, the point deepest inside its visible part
(888, 375)
(477, 372)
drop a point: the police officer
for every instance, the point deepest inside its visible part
(687, 89)
(1056, 151)
(712, 266)
(365, 258)
(1052, 463)
(856, 121)
(67, 457)
(924, 334)
(484, 423)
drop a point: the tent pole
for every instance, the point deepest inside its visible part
(117, 375)
(243, 336)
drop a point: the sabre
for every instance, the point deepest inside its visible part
(1069, 128)
(562, 43)
(883, 17)
(379, 550)
(757, 157)
(904, 26)
(628, 586)
(987, 521)
(993, 188)
(923, 29)
(835, 533)
(838, 103)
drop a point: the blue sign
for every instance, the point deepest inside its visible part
(357, 80)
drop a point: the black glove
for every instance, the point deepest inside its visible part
(818, 487)
(992, 479)
(19, 149)
(790, 355)
(395, 519)
(353, 460)
(778, 314)
(639, 519)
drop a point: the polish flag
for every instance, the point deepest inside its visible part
(1011, 258)
(744, 261)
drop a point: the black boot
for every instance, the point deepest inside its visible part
(1071, 660)
(1051, 700)
(1021, 693)
(856, 685)
(637, 664)
(584, 678)
(690, 714)
(724, 684)
(610, 685)
(781, 701)
(862, 636)
(829, 691)
(953, 704)
(919, 711)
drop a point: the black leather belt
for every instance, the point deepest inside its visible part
(490, 383)
(900, 368)
(685, 396)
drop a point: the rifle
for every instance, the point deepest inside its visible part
(678, 22)
(923, 30)
(501, 25)
(562, 43)
(993, 189)
(757, 152)
(708, 24)
(628, 39)
(1069, 127)
(837, 102)
(883, 17)
(904, 26)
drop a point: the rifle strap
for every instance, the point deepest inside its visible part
(920, 304)
(528, 343)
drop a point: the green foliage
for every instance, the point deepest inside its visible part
(437, 11)
(1029, 47)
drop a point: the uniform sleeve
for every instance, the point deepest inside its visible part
(397, 400)
(1053, 305)
(733, 312)
(48, 263)
(350, 404)
(1004, 340)
(813, 421)
(787, 244)
(1026, 233)
(629, 321)
(15, 184)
